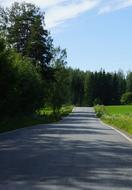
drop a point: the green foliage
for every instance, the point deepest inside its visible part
(65, 110)
(91, 88)
(106, 87)
(129, 82)
(58, 91)
(126, 98)
(118, 116)
(100, 110)
(7, 78)
(20, 83)
(37, 74)
(43, 116)
(29, 87)
(77, 87)
(26, 82)
(97, 101)
(23, 24)
(88, 89)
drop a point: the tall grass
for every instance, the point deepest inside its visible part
(117, 116)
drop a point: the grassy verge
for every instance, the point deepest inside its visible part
(43, 116)
(117, 116)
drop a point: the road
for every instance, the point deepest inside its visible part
(78, 153)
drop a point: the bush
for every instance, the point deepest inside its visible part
(126, 98)
(100, 110)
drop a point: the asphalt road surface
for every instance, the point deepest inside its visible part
(78, 153)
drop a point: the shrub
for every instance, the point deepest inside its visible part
(126, 98)
(100, 110)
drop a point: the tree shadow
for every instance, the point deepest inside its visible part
(65, 156)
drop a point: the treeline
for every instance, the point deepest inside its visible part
(91, 88)
(34, 74)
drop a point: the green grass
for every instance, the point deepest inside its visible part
(119, 109)
(117, 116)
(43, 116)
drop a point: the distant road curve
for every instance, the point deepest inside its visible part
(78, 153)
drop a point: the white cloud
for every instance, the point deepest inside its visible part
(115, 5)
(60, 13)
(6, 3)
(41, 3)
(47, 3)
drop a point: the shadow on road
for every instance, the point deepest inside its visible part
(73, 154)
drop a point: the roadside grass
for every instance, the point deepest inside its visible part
(125, 109)
(117, 116)
(42, 116)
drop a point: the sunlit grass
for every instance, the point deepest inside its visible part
(118, 116)
(119, 109)
(43, 116)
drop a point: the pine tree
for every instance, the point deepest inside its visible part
(24, 25)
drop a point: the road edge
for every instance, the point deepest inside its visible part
(117, 130)
(28, 127)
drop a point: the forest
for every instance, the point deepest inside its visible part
(35, 74)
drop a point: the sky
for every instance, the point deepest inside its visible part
(96, 33)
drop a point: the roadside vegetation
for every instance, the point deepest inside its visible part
(117, 116)
(34, 73)
(42, 116)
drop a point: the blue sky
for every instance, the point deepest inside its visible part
(96, 33)
(98, 41)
